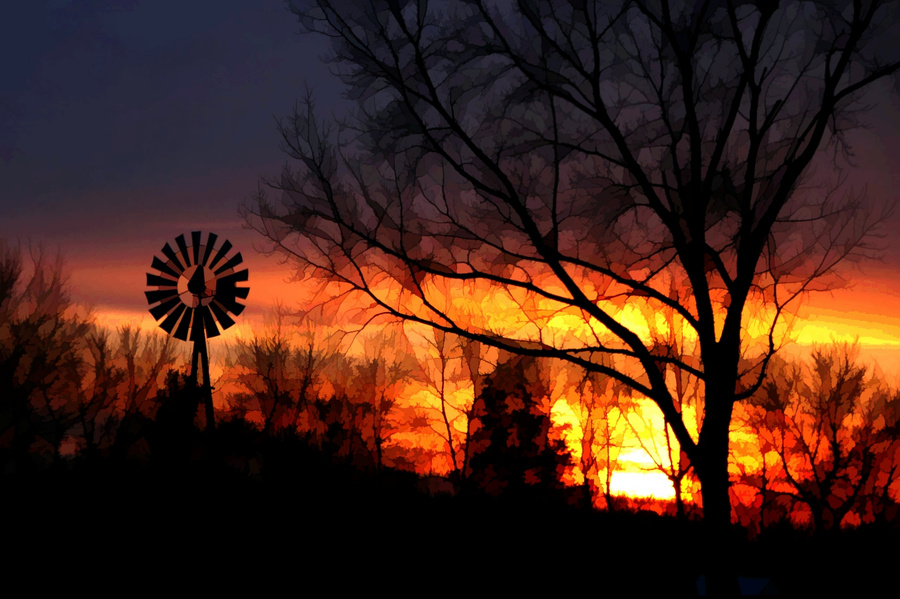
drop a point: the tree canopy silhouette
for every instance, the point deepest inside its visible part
(586, 161)
(513, 451)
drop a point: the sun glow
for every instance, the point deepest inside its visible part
(644, 451)
(636, 483)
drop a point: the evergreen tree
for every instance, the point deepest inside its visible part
(513, 454)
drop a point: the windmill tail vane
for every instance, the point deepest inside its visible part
(194, 288)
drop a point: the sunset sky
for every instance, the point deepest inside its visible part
(125, 124)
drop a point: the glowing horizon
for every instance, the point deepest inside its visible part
(634, 475)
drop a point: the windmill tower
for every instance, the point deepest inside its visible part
(193, 290)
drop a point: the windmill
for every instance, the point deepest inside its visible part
(192, 290)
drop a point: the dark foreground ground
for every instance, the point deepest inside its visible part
(306, 527)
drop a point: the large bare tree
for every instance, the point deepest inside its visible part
(579, 159)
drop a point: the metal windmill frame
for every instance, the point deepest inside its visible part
(191, 291)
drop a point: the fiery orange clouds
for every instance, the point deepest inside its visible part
(864, 314)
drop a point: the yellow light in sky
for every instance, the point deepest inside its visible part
(497, 310)
(642, 484)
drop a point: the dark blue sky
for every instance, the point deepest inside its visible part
(97, 98)
(123, 124)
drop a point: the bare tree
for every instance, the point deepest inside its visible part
(577, 157)
(279, 375)
(95, 411)
(146, 357)
(41, 359)
(668, 338)
(377, 383)
(666, 456)
(444, 371)
(356, 408)
(602, 416)
(833, 432)
(262, 366)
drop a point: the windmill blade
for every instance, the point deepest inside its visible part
(169, 253)
(184, 326)
(169, 323)
(163, 267)
(234, 261)
(231, 305)
(226, 293)
(184, 315)
(210, 242)
(160, 295)
(195, 245)
(163, 308)
(221, 254)
(221, 315)
(209, 322)
(160, 281)
(231, 279)
(226, 289)
(184, 250)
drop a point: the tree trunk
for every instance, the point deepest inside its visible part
(378, 452)
(679, 500)
(712, 470)
(720, 571)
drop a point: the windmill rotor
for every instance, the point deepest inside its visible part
(192, 293)
(194, 289)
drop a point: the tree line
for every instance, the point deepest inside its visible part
(817, 447)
